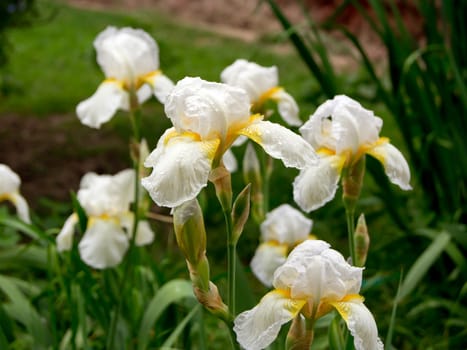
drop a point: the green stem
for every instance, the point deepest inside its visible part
(231, 261)
(134, 117)
(350, 217)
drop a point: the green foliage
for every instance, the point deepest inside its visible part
(424, 91)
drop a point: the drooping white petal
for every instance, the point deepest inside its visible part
(268, 257)
(144, 232)
(288, 108)
(9, 180)
(104, 243)
(257, 328)
(281, 143)
(21, 205)
(317, 184)
(65, 237)
(361, 324)
(101, 107)
(181, 169)
(161, 85)
(229, 160)
(126, 53)
(285, 224)
(394, 164)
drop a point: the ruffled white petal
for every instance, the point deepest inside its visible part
(206, 108)
(65, 237)
(361, 324)
(257, 328)
(268, 257)
(104, 243)
(101, 107)
(21, 205)
(229, 160)
(317, 184)
(281, 143)
(394, 164)
(288, 108)
(181, 169)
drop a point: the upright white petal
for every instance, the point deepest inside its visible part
(181, 169)
(106, 194)
(126, 53)
(104, 244)
(361, 324)
(101, 107)
(65, 237)
(268, 257)
(251, 77)
(288, 108)
(281, 143)
(257, 328)
(317, 184)
(9, 180)
(285, 224)
(394, 163)
(341, 124)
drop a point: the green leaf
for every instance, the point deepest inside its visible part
(21, 309)
(423, 263)
(176, 332)
(30, 230)
(169, 293)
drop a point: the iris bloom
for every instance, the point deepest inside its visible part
(207, 117)
(313, 281)
(283, 228)
(342, 132)
(261, 85)
(130, 61)
(9, 190)
(106, 200)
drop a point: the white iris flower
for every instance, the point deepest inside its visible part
(130, 61)
(106, 200)
(261, 85)
(283, 228)
(314, 280)
(342, 131)
(207, 117)
(9, 190)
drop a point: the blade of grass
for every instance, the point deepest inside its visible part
(423, 263)
(176, 332)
